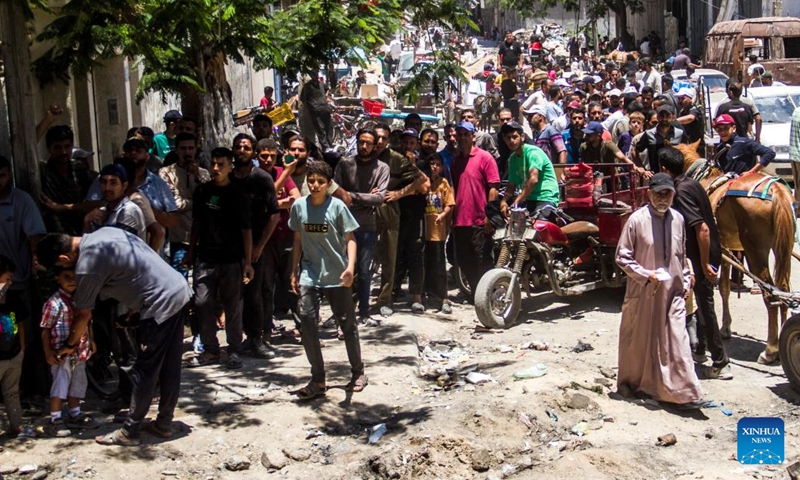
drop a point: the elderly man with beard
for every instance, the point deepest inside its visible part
(654, 354)
(148, 183)
(364, 179)
(264, 217)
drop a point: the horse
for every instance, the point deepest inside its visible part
(620, 57)
(486, 108)
(756, 224)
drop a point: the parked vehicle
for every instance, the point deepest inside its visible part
(567, 259)
(774, 40)
(713, 79)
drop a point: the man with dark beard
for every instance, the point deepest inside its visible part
(64, 181)
(264, 217)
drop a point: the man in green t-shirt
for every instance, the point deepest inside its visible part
(530, 168)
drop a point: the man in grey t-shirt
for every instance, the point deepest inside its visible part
(112, 263)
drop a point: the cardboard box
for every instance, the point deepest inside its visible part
(369, 90)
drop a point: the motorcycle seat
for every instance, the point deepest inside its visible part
(580, 230)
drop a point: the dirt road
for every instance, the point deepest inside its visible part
(439, 425)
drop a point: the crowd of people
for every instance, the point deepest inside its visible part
(241, 237)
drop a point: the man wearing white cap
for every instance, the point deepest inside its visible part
(689, 115)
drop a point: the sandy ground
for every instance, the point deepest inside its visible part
(442, 427)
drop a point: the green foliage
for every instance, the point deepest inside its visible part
(437, 77)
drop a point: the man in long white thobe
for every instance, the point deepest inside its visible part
(654, 353)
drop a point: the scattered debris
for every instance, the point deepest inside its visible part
(314, 434)
(576, 444)
(297, 454)
(481, 460)
(609, 419)
(667, 440)
(376, 433)
(578, 401)
(170, 473)
(608, 373)
(582, 347)
(40, 475)
(727, 412)
(536, 371)
(237, 463)
(273, 460)
(580, 429)
(535, 345)
(529, 421)
(552, 415)
(477, 378)
(26, 469)
(604, 382)
(794, 471)
(505, 349)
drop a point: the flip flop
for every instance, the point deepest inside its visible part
(117, 438)
(358, 383)
(312, 390)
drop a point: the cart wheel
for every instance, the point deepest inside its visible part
(789, 347)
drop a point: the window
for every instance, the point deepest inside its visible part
(791, 47)
(758, 47)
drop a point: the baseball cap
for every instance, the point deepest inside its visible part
(597, 79)
(410, 132)
(172, 116)
(587, 80)
(686, 92)
(466, 126)
(614, 93)
(511, 127)
(134, 142)
(574, 105)
(666, 108)
(660, 182)
(563, 83)
(115, 169)
(593, 128)
(536, 109)
(724, 119)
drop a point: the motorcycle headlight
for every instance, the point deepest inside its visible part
(517, 224)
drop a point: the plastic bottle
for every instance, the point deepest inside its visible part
(536, 371)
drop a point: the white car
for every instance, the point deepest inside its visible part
(713, 79)
(776, 105)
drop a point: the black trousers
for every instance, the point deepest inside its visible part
(253, 301)
(435, 271)
(410, 251)
(277, 290)
(708, 334)
(473, 253)
(323, 127)
(158, 363)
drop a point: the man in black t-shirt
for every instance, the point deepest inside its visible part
(264, 217)
(222, 244)
(703, 250)
(689, 116)
(740, 111)
(509, 52)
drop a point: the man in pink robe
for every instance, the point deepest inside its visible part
(654, 353)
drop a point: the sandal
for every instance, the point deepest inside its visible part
(154, 429)
(117, 438)
(202, 360)
(358, 383)
(312, 390)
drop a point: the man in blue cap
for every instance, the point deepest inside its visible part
(475, 181)
(596, 150)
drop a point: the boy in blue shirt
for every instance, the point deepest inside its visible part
(323, 236)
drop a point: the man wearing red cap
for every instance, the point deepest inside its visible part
(742, 152)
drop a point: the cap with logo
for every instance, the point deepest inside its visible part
(724, 119)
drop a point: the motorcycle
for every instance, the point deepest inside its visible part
(560, 254)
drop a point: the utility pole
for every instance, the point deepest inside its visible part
(19, 90)
(777, 8)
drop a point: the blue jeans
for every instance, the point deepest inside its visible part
(365, 247)
(176, 253)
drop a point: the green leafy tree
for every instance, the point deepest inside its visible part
(184, 45)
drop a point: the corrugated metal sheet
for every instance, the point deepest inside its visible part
(758, 27)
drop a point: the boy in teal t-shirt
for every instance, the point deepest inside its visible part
(529, 170)
(323, 236)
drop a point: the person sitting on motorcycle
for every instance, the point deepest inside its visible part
(530, 168)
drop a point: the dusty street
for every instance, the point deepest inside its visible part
(440, 426)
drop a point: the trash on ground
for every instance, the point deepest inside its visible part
(535, 345)
(580, 429)
(506, 349)
(667, 440)
(377, 432)
(528, 420)
(536, 371)
(794, 471)
(477, 378)
(552, 415)
(582, 347)
(314, 434)
(727, 412)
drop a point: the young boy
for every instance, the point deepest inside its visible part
(323, 236)
(69, 373)
(12, 348)
(439, 205)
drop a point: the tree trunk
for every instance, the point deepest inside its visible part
(19, 90)
(212, 107)
(619, 8)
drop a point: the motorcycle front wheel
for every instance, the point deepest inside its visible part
(491, 307)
